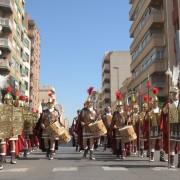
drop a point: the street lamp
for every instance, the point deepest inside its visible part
(117, 68)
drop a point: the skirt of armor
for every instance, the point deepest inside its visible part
(14, 138)
(87, 133)
(45, 134)
(117, 135)
(155, 132)
(175, 131)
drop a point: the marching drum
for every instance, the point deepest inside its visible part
(127, 134)
(58, 131)
(97, 128)
(65, 137)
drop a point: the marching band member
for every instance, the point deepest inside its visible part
(174, 120)
(155, 133)
(143, 134)
(107, 119)
(119, 121)
(87, 116)
(74, 132)
(48, 116)
(135, 123)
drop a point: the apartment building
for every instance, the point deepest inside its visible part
(34, 35)
(115, 68)
(155, 45)
(15, 45)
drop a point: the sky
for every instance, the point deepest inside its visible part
(75, 34)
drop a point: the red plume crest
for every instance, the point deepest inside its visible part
(118, 95)
(9, 89)
(155, 91)
(90, 90)
(22, 98)
(146, 98)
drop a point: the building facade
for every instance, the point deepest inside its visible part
(15, 45)
(115, 68)
(43, 93)
(155, 46)
(34, 36)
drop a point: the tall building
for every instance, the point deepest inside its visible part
(34, 36)
(155, 46)
(115, 68)
(14, 45)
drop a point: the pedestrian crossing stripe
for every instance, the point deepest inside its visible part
(15, 170)
(64, 169)
(107, 168)
(163, 169)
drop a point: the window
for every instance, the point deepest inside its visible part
(26, 85)
(26, 43)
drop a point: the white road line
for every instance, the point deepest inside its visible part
(15, 170)
(64, 169)
(163, 169)
(106, 168)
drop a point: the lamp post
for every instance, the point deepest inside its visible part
(117, 68)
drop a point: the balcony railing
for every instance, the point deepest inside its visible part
(7, 4)
(4, 65)
(5, 43)
(154, 16)
(134, 5)
(4, 22)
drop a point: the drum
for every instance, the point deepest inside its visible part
(65, 137)
(97, 128)
(58, 131)
(127, 134)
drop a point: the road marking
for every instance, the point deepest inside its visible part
(163, 169)
(15, 170)
(65, 169)
(106, 168)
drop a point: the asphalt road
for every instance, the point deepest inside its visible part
(69, 165)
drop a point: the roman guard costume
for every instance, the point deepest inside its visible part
(118, 122)
(155, 133)
(174, 123)
(87, 116)
(107, 120)
(135, 123)
(48, 116)
(144, 132)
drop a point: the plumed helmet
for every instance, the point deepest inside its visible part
(8, 96)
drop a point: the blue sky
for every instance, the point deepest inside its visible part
(74, 36)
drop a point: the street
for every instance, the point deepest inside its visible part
(68, 165)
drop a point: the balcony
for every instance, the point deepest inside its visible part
(155, 17)
(6, 5)
(130, 1)
(106, 67)
(142, 12)
(155, 41)
(144, 5)
(134, 5)
(6, 24)
(155, 20)
(106, 86)
(5, 44)
(106, 76)
(4, 66)
(153, 68)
